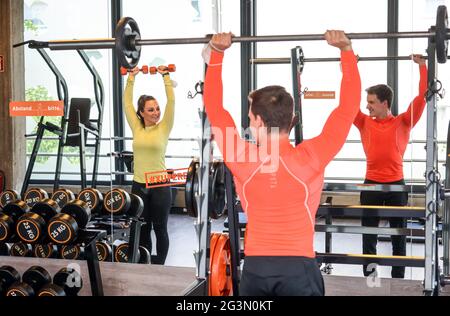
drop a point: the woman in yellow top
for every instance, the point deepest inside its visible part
(150, 138)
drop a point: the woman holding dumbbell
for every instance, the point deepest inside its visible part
(150, 138)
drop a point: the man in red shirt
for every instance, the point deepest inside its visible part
(384, 138)
(279, 185)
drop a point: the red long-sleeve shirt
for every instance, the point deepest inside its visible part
(385, 140)
(281, 204)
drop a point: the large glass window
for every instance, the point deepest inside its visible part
(50, 20)
(158, 19)
(302, 17)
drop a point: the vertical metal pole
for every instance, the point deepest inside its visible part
(430, 282)
(37, 144)
(248, 51)
(297, 68)
(203, 224)
(446, 219)
(392, 50)
(82, 153)
(117, 88)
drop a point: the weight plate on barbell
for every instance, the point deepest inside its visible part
(128, 53)
(441, 38)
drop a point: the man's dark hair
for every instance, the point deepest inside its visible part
(383, 93)
(274, 105)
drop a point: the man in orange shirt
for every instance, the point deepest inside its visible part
(279, 185)
(384, 138)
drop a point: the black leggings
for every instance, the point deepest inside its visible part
(157, 204)
(370, 241)
(281, 276)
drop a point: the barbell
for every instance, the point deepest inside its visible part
(128, 41)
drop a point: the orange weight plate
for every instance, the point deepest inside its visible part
(220, 273)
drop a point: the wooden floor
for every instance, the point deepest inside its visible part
(360, 286)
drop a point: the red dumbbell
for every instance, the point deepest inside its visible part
(170, 68)
(124, 71)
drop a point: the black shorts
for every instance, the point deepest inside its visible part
(281, 276)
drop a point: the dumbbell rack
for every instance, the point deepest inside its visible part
(89, 239)
(116, 230)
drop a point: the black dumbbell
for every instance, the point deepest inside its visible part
(8, 276)
(71, 252)
(34, 279)
(119, 202)
(31, 227)
(121, 250)
(34, 195)
(145, 256)
(93, 198)
(104, 251)
(9, 196)
(45, 251)
(63, 196)
(21, 249)
(63, 227)
(5, 249)
(66, 282)
(8, 217)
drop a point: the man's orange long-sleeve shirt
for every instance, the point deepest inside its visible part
(385, 140)
(280, 190)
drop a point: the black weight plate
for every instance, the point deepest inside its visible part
(128, 53)
(9, 196)
(144, 255)
(136, 207)
(190, 187)
(51, 290)
(62, 197)
(6, 227)
(93, 198)
(71, 252)
(117, 202)
(16, 209)
(216, 203)
(20, 289)
(121, 253)
(103, 251)
(441, 39)
(62, 229)
(46, 208)
(20, 249)
(30, 227)
(44, 251)
(36, 277)
(70, 280)
(8, 276)
(79, 210)
(34, 195)
(5, 249)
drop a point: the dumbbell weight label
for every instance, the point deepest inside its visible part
(15, 292)
(70, 252)
(115, 202)
(89, 199)
(28, 231)
(61, 198)
(60, 232)
(102, 251)
(43, 251)
(121, 254)
(7, 197)
(18, 250)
